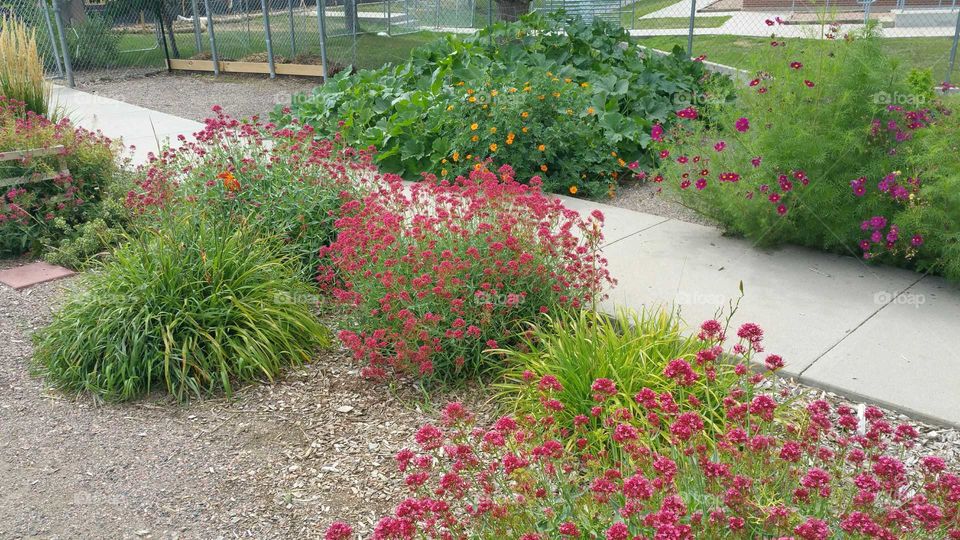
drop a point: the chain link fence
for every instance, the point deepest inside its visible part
(95, 36)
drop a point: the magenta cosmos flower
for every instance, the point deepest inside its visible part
(742, 124)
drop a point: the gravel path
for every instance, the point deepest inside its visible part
(191, 95)
(279, 461)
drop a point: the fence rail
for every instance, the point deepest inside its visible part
(89, 37)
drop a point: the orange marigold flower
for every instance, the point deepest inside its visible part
(591, 110)
(541, 147)
(543, 168)
(524, 114)
(573, 190)
(493, 130)
(493, 147)
(474, 126)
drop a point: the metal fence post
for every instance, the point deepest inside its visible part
(53, 41)
(322, 28)
(213, 39)
(693, 13)
(438, 13)
(267, 36)
(953, 49)
(67, 64)
(196, 26)
(293, 38)
(389, 16)
(490, 21)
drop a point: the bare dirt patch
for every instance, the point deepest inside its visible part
(191, 95)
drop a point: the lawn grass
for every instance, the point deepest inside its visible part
(371, 50)
(680, 22)
(739, 51)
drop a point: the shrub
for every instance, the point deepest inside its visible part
(828, 474)
(931, 214)
(190, 307)
(21, 72)
(568, 101)
(281, 182)
(811, 151)
(634, 350)
(44, 213)
(438, 272)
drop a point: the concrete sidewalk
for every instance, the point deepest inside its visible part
(883, 335)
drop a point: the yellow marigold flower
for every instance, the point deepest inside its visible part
(474, 139)
(461, 83)
(569, 111)
(493, 130)
(573, 190)
(621, 162)
(484, 107)
(469, 156)
(614, 154)
(474, 126)
(584, 85)
(567, 80)
(494, 93)
(541, 97)
(456, 156)
(527, 88)
(443, 172)
(472, 99)
(444, 160)
(512, 90)
(509, 141)
(524, 114)
(590, 110)
(524, 129)
(449, 107)
(493, 147)
(556, 94)
(549, 74)
(542, 147)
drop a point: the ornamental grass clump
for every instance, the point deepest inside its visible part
(191, 308)
(21, 68)
(436, 272)
(282, 182)
(818, 473)
(645, 351)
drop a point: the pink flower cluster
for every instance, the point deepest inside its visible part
(772, 469)
(436, 272)
(23, 208)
